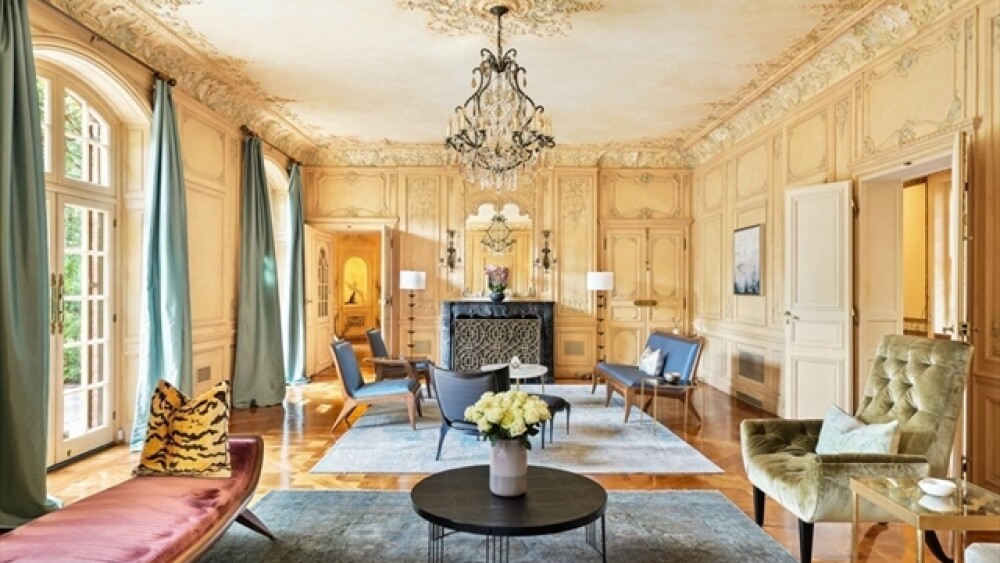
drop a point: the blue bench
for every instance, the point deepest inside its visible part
(681, 355)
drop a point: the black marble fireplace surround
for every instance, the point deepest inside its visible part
(496, 341)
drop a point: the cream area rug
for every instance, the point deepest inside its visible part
(381, 441)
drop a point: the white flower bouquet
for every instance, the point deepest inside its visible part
(510, 415)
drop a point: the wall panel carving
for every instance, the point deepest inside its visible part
(808, 148)
(204, 150)
(892, 120)
(644, 194)
(576, 198)
(350, 193)
(206, 209)
(753, 171)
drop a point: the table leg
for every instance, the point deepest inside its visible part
(590, 530)
(687, 397)
(498, 549)
(435, 543)
(934, 545)
(920, 546)
(958, 546)
(854, 527)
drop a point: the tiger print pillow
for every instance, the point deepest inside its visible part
(187, 437)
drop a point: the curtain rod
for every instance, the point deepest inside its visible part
(251, 133)
(94, 36)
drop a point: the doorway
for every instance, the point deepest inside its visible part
(81, 349)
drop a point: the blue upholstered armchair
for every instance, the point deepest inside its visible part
(356, 391)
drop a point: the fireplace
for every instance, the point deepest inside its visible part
(474, 333)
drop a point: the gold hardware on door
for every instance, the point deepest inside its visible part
(53, 307)
(789, 317)
(645, 303)
(60, 313)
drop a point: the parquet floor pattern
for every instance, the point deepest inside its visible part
(297, 435)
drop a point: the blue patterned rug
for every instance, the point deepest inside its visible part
(382, 441)
(359, 526)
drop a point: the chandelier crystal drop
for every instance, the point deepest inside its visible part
(499, 133)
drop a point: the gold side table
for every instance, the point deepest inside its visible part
(969, 508)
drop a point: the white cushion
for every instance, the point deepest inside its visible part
(651, 361)
(841, 433)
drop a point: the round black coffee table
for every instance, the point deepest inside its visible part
(460, 500)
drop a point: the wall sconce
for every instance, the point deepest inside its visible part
(451, 258)
(546, 261)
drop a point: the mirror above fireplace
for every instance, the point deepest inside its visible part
(501, 236)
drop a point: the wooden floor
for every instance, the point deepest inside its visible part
(297, 435)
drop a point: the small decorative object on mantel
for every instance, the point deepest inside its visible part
(496, 280)
(507, 420)
(515, 362)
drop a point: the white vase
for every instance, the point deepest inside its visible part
(508, 468)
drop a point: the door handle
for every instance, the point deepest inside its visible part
(60, 313)
(645, 302)
(789, 315)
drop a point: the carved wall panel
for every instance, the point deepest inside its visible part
(936, 67)
(206, 208)
(204, 150)
(714, 189)
(843, 134)
(576, 197)
(422, 218)
(753, 171)
(808, 148)
(644, 194)
(348, 193)
(712, 267)
(575, 350)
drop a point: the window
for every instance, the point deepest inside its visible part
(323, 283)
(67, 112)
(45, 110)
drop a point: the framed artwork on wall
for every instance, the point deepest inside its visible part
(747, 267)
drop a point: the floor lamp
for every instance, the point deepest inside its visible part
(600, 282)
(411, 280)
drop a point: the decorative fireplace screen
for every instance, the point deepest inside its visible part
(478, 342)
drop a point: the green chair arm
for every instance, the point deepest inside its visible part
(769, 436)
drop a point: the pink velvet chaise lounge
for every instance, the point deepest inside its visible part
(146, 518)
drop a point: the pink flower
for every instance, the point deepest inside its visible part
(496, 277)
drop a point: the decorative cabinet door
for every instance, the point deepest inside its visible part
(650, 293)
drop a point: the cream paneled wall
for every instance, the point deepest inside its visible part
(927, 86)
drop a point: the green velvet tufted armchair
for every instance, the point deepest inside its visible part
(918, 381)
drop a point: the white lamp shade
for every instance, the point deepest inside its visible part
(600, 281)
(412, 279)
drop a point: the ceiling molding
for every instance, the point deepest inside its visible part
(542, 18)
(850, 34)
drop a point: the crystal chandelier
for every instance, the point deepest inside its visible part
(499, 132)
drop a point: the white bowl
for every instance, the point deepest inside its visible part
(936, 487)
(937, 503)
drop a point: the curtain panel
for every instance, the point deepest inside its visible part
(259, 373)
(165, 350)
(24, 283)
(294, 325)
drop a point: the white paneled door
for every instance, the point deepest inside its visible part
(818, 300)
(320, 309)
(81, 368)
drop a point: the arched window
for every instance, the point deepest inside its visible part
(77, 136)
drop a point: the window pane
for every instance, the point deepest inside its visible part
(72, 272)
(96, 366)
(72, 368)
(95, 285)
(72, 311)
(95, 221)
(96, 319)
(73, 106)
(96, 416)
(72, 225)
(74, 414)
(74, 158)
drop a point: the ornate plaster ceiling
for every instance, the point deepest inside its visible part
(642, 82)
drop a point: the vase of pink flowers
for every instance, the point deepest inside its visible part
(496, 280)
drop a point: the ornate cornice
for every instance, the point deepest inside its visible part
(151, 31)
(887, 25)
(526, 17)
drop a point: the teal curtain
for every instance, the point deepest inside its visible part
(294, 325)
(259, 373)
(24, 273)
(165, 329)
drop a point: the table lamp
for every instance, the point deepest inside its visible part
(411, 280)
